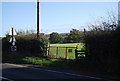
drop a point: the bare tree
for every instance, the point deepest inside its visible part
(107, 23)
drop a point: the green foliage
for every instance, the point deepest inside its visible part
(22, 32)
(27, 45)
(5, 44)
(12, 59)
(103, 49)
(55, 38)
(39, 61)
(75, 36)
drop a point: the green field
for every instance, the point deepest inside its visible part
(62, 50)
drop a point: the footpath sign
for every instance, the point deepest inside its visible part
(12, 39)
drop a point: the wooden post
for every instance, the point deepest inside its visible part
(85, 35)
(12, 35)
(76, 53)
(57, 53)
(48, 50)
(66, 53)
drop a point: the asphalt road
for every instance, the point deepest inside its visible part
(14, 72)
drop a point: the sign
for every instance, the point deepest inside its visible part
(13, 48)
(13, 43)
(14, 32)
(14, 40)
(69, 50)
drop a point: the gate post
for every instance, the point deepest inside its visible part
(76, 55)
(66, 53)
(57, 53)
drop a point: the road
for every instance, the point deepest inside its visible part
(18, 72)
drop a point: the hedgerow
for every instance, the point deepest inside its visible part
(103, 50)
(27, 45)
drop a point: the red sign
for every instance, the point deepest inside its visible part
(13, 43)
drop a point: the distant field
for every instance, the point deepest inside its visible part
(62, 51)
(68, 45)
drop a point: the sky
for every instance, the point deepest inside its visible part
(58, 17)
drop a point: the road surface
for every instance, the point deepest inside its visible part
(14, 72)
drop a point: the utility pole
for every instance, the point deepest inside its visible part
(38, 19)
(12, 35)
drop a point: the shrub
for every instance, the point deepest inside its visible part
(27, 45)
(103, 49)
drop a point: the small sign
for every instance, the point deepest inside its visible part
(69, 50)
(14, 32)
(13, 43)
(14, 40)
(13, 48)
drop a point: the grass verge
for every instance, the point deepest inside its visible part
(38, 61)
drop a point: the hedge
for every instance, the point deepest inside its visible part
(103, 50)
(27, 45)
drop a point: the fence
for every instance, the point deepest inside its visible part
(62, 52)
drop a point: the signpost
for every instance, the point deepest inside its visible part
(12, 39)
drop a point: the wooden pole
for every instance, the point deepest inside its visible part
(48, 50)
(76, 56)
(38, 19)
(12, 35)
(66, 53)
(57, 53)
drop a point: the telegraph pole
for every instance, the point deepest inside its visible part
(38, 19)
(12, 35)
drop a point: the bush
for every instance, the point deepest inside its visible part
(27, 45)
(103, 49)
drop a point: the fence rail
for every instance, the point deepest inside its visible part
(61, 47)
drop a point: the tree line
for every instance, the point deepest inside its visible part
(75, 36)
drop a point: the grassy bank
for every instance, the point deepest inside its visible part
(38, 61)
